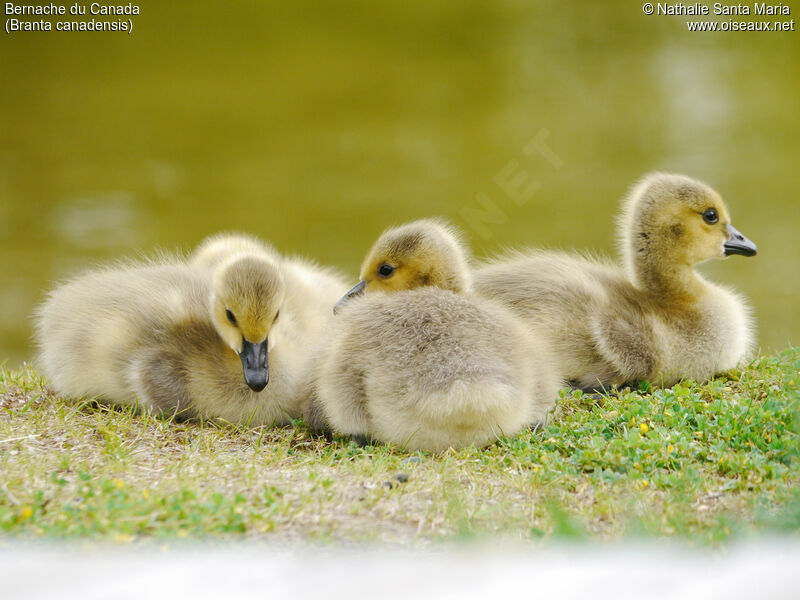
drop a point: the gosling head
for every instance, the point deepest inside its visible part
(673, 221)
(247, 295)
(421, 253)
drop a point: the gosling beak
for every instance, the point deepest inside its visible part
(254, 362)
(357, 290)
(738, 244)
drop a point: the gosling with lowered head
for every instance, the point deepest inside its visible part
(219, 341)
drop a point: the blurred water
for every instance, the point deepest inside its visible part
(317, 124)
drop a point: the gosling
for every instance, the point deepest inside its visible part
(656, 318)
(421, 363)
(173, 338)
(309, 289)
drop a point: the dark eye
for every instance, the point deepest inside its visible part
(710, 216)
(277, 314)
(230, 316)
(385, 270)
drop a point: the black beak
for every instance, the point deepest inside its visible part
(738, 244)
(357, 290)
(255, 364)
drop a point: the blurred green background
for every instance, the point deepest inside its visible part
(316, 124)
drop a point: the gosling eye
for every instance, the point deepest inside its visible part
(275, 320)
(385, 270)
(230, 316)
(710, 216)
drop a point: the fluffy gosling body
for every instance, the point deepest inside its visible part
(221, 339)
(654, 319)
(418, 362)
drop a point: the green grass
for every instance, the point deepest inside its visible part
(699, 463)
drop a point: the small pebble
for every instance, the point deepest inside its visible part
(410, 460)
(399, 478)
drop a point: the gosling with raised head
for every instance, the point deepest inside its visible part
(655, 319)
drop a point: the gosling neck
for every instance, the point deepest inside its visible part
(673, 283)
(463, 282)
